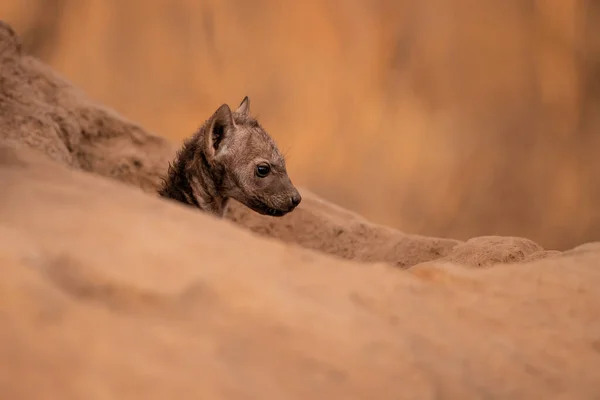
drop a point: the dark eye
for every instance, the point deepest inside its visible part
(263, 170)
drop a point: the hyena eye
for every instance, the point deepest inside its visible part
(263, 170)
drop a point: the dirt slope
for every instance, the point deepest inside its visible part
(110, 292)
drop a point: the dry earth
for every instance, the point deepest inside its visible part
(109, 292)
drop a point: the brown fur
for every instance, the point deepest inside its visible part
(224, 159)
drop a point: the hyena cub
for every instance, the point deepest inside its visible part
(231, 156)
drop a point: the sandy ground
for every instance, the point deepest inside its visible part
(109, 292)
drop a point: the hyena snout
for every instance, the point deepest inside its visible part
(287, 200)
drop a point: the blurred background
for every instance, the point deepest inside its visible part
(452, 118)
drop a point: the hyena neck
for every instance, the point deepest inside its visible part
(192, 181)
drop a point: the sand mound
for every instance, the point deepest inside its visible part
(106, 290)
(110, 290)
(40, 109)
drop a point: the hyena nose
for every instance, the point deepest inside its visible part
(296, 199)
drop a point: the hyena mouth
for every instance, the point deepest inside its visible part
(264, 209)
(274, 213)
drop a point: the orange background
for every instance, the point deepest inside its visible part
(452, 118)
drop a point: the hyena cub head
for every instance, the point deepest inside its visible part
(250, 167)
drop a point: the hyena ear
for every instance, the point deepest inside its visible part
(244, 107)
(220, 125)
